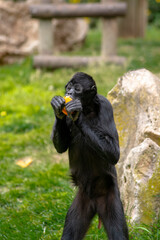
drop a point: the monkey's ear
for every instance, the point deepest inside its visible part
(94, 89)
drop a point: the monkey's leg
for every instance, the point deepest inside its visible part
(78, 218)
(110, 210)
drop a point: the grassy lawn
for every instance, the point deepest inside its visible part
(34, 200)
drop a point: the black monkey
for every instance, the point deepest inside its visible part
(90, 134)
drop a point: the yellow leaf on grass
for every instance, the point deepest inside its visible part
(3, 113)
(24, 162)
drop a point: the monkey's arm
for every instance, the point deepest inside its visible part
(101, 137)
(60, 135)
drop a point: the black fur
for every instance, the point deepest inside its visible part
(92, 140)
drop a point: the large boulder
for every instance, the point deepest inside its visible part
(19, 32)
(136, 103)
(69, 34)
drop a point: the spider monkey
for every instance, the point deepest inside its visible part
(89, 133)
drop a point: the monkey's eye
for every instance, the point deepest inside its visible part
(78, 88)
(69, 86)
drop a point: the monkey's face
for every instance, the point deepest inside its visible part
(81, 86)
(74, 90)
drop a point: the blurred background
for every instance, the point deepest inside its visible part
(35, 188)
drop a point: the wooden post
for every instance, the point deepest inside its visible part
(141, 18)
(46, 32)
(135, 22)
(109, 35)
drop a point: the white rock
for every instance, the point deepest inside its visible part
(136, 103)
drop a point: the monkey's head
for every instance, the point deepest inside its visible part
(81, 86)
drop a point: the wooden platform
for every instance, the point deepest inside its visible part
(107, 10)
(47, 11)
(53, 62)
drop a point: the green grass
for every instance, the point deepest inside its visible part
(34, 200)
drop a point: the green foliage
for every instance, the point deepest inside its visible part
(34, 200)
(142, 231)
(154, 12)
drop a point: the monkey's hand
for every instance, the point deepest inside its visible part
(57, 104)
(73, 109)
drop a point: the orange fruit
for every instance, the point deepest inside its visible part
(67, 99)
